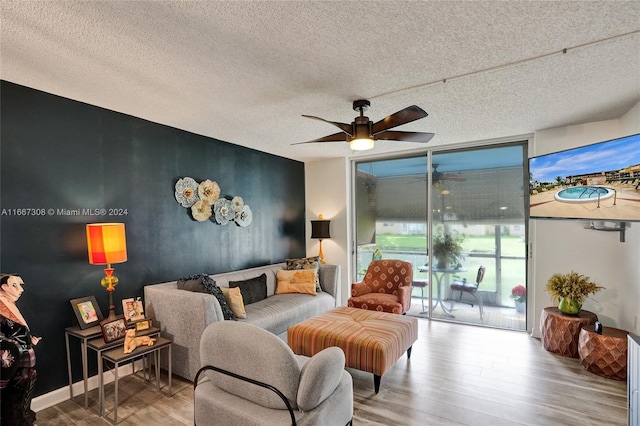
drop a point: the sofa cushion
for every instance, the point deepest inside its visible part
(299, 281)
(233, 296)
(193, 283)
(253, 290)
(306, 263)
(213, 289)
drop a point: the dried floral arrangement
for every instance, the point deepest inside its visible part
(571, 286)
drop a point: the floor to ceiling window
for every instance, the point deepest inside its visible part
(468, 203)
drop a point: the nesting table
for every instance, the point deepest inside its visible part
(560, 332)
(604, 354)
(91, 338)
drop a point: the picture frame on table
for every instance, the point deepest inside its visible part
(113, 329)
(133, 309)
(87, 311)
(144, 324)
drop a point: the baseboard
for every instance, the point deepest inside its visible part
(60, 395)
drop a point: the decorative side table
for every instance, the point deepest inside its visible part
(560, 332)
(604, 354)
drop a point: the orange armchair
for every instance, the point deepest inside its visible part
(386, 287)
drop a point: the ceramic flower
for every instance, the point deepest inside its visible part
(201, 210)
(209, 191)
(186, 192)
(223, 211)
(244, 217)
(238, 203)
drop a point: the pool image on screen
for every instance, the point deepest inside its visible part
(600, 181)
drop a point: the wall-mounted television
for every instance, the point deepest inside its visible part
(598, 182)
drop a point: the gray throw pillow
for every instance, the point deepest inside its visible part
(253, 289)
(193, 283)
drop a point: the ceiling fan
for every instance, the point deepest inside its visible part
(362, 132)
(437, 176)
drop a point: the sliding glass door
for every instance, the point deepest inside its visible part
(458, 216)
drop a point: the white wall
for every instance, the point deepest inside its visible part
(556, 246)
(563, 246)
(327, 189)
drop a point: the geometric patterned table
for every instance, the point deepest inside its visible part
(560, 332)
(604, 354)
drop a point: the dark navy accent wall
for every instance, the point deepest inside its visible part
(65, 155)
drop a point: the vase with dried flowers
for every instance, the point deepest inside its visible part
(447, 249)
(570, 290)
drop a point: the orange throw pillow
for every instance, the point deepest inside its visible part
(298, 281)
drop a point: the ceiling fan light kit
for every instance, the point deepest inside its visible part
(362, 132)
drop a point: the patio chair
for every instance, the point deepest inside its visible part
(465, 286)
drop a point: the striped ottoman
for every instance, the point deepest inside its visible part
(372, 341)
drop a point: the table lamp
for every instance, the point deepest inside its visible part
(106, 244)
(320, 231)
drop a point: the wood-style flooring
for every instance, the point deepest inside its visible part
(457, 375)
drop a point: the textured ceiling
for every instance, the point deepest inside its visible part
(244, 72)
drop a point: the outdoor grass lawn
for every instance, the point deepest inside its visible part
(511, 246)
(513, 270)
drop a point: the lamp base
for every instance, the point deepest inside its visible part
(321, 254)
(112, 309)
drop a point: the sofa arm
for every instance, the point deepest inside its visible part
(182, 316)
(329, 276)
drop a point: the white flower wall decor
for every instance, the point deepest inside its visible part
(206, 205)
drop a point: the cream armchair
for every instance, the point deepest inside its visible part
(251, 377)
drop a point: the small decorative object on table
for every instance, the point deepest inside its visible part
(113, 329)
(144, 324)
(570, 290)
(131, 341)
(87, 311)
(133, 309)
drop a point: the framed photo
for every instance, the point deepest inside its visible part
(113, 329)
(133, 309)
(87, 311)
(144, 324)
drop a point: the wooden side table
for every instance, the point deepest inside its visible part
(560, 332)
(604, 354)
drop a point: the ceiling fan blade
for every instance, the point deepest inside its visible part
(396, 135)
(403, 116)
(347, 128)
(336, 137)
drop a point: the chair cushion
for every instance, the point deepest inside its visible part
(380, 302)
(320, 377)
(464, 286)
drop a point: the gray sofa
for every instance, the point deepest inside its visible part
(183, 315)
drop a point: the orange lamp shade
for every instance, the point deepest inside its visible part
(106, 243)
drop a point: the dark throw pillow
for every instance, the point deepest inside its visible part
(203, 283)
(253, 289)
